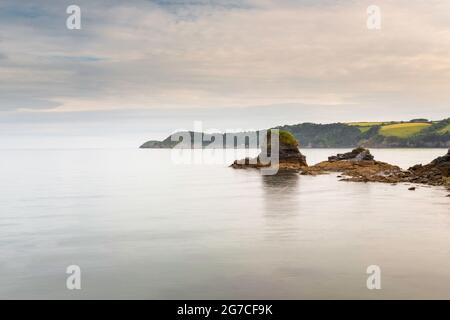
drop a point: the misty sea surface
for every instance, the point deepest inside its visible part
(140, 225)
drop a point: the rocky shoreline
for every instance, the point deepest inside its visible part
(359, 165)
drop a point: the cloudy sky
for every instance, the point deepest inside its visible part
(140, 69)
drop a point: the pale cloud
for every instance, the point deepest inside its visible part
(219, 54)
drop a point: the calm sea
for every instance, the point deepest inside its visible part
(140, 225)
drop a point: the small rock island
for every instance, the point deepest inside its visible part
(358, 165)
(290, 158)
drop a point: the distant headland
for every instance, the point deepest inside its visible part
(416, 133)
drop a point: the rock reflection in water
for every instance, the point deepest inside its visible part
(281, 204)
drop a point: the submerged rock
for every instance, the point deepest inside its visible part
(289, 156)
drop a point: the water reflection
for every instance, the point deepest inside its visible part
(280, 204)
(283, 182)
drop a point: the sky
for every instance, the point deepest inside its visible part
(141, 69)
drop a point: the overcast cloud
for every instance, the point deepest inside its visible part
(158, 64)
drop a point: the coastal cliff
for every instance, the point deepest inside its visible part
(416, 133)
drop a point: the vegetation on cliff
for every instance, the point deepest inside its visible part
(285, 137)
(417, 133)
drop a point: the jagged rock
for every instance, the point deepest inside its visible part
(357, 154)
(355, 166)
(437, 172)
(358, 165)
(289, 156)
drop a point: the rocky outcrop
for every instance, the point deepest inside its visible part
(289, 157)
(153, 144)
(437, 172)
(357, 154)
(359, 165)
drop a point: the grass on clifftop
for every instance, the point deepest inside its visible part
(402, 130)
(286, 138)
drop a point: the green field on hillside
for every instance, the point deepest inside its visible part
(392, 129)
(402, 130)
(364, 124)
(364, 129)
